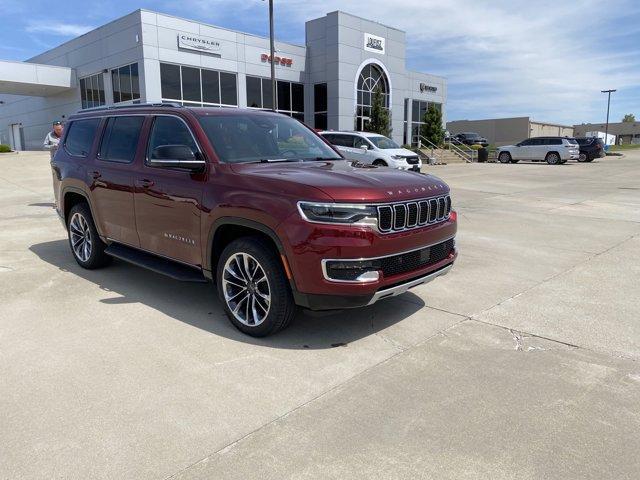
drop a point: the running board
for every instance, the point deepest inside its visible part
(155, 263)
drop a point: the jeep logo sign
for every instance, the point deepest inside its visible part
(372, 43)
(189, 41)
(424, 88)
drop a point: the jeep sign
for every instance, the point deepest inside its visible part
(372, 43)
(424, 88)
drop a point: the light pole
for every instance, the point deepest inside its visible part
(273, 58)
(606, 128)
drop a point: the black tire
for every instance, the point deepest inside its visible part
(504, 157)
(553, 158)
(380, 163)
(281, 308)
(89, 248)
(583, 157)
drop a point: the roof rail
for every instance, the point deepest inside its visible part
(131, 105)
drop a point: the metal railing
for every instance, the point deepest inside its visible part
(467, 154)
(419, 140)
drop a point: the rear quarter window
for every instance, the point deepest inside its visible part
(120, 139)
(80, 136)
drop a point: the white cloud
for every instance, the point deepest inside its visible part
(57, 28)
(545, 58)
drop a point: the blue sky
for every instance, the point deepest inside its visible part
(545, 58)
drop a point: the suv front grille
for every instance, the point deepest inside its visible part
(402, 216)
(350, 270)
(413, 160)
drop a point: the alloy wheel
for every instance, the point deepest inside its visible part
(80, 233)
(582, 157)
(246, 289)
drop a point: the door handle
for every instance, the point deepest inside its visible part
(96, 175)
(145, 183)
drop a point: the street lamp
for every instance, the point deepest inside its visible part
(606, 128)
(272, 43)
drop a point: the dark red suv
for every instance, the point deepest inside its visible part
(254, 201)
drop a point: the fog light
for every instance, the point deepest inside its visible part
(370, 276)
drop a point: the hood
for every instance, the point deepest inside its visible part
(343, 182)
(399, 151)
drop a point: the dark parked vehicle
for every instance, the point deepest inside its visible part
(253, 201)
(470, 138)
(590, 149)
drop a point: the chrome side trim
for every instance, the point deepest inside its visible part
(400, 289)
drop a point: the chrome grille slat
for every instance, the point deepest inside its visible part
(400, 216)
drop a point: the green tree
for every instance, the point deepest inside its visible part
(431, 128)
(629, 118)
(380, 118)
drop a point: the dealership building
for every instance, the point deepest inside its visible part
(151, 57)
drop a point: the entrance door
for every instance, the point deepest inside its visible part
(16, 137)
(168, 201)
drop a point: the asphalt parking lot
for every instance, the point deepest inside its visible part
(523, 362)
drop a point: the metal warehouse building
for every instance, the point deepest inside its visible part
(625, 132)
(151, 57)
(506, 131)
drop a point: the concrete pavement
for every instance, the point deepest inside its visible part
(521, 363)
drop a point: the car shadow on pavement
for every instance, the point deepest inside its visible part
(197, 304)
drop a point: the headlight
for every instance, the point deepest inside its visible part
(341, 213)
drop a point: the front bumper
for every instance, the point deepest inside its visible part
(309, 244)
(320, 302)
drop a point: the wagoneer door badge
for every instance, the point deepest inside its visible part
(179, 238)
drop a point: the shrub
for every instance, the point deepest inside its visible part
(475, 147)
(4, 148)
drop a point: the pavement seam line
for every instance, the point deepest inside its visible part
(553, 277)
(317, 397)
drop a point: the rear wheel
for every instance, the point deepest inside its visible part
(253, 288)
(504, 157)
(553, 158)
(583, 157)
(85, 243)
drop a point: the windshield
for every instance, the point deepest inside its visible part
(241, 138)
(471, 135)
(572, 141)
(383, 143)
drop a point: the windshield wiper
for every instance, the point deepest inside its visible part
(273, 160)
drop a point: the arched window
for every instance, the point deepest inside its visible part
(371, 78)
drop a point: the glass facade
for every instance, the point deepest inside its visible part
(198, 86)
(290, 96)
(320, 106)
(92, 91)
(418, 110)
(371, 79)
(125, 83)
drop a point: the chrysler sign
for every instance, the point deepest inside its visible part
(189, 41)
(373, 43)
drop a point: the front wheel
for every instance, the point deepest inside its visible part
(553, 158)
(253, 288)
(504, 157)
(380, 163)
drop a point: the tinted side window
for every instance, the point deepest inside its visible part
(170, 131)
(538, 141)
(80, 136)
(525, 143)
(359, 142)
(120, 139)
(329, 138)
(343, 140)
(555, 141)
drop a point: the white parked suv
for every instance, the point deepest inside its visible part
(373, 149)
(553, 150)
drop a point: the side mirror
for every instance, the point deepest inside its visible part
(176, 156)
